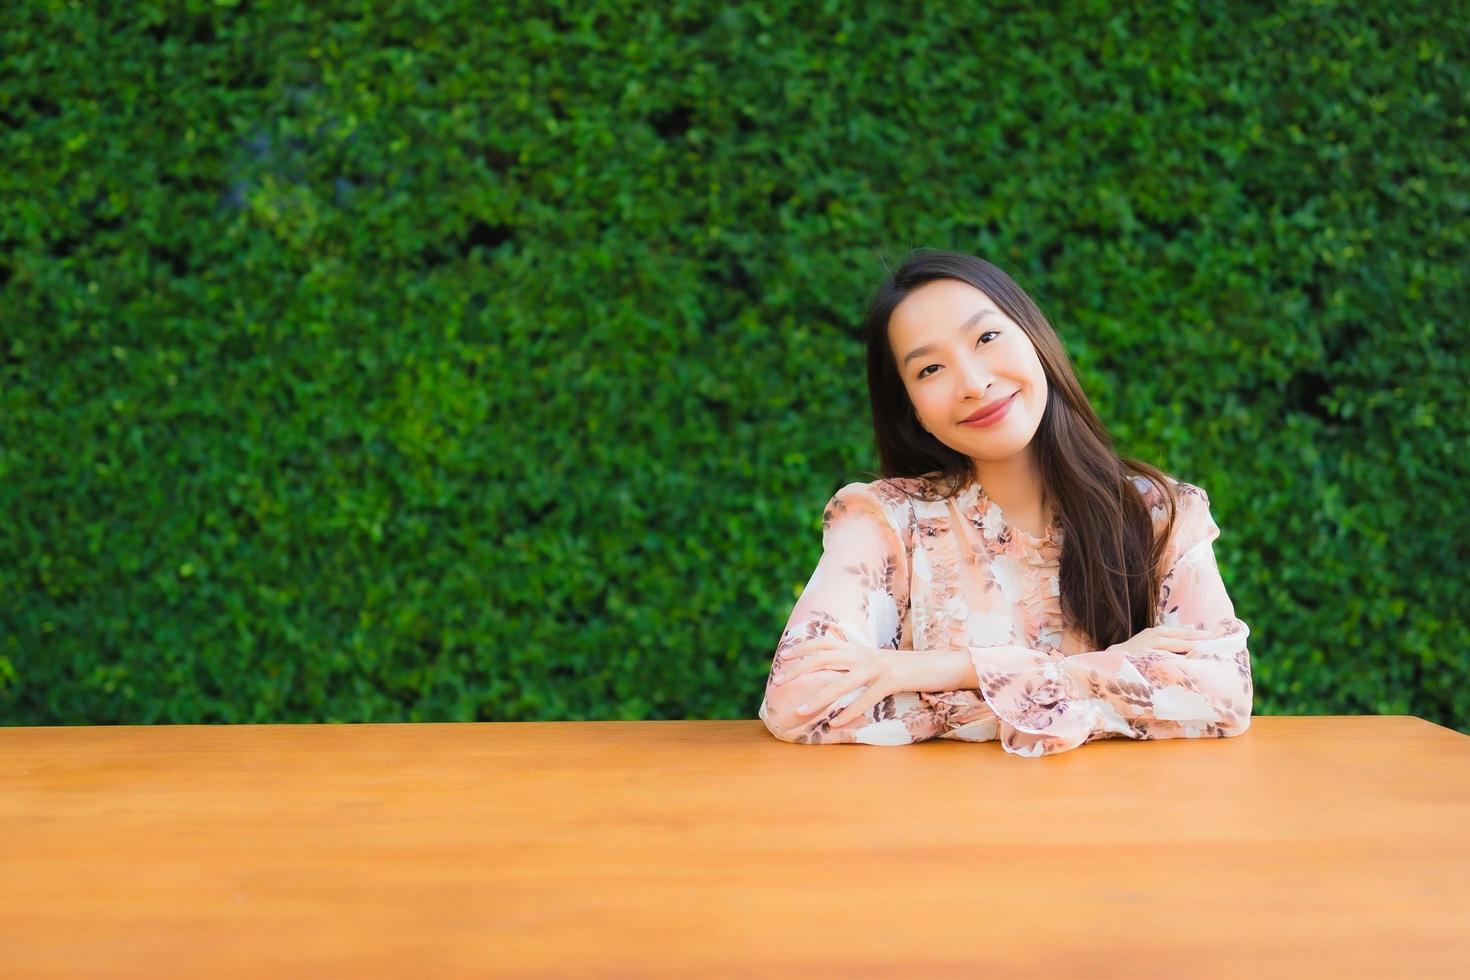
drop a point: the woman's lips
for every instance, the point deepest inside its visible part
(996, 414)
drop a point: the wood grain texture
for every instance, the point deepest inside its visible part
(1330, 846)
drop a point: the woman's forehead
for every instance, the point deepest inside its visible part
(937, 311)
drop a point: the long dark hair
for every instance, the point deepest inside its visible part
(1110, 571)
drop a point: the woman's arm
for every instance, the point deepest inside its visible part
(1049, 703)
(857, 594)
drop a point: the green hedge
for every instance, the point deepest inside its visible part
(444, 362)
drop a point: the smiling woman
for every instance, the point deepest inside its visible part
(1009, 576)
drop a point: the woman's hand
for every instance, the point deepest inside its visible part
(883, 672)
(1161, 639)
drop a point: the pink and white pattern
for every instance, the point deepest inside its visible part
(906, 574)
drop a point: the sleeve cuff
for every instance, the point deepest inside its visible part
(1035, 694)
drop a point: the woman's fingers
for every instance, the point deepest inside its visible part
(859, 707)
(825, 699)
(823, 702)
(835, 691)
(840, 688)
(1163, 639)
(815, 645)
(1168, 644)
(799, 657)
(838, 659)
(803, 665)
(1174, 639)
(877, 688)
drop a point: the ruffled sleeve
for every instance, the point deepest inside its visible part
(858, 594)
(1048, 703)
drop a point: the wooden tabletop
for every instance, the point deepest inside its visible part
(1307, 847)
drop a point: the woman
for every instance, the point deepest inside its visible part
(1010, 576)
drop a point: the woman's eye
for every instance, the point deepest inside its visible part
(983, 335)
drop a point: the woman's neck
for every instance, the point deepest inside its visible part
(1015, 485)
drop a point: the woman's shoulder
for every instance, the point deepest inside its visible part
(1193, 521)
(901, 490)
(1187, 495)
(894, 497)
(891, 491)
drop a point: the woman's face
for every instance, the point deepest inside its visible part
(972, 356)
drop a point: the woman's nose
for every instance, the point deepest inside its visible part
(974, 378)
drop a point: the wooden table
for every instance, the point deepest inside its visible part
(1307, 847)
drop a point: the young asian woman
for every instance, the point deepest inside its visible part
(1009, 576)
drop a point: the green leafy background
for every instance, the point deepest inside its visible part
(454, 361)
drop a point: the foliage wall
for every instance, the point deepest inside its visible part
(453, 361)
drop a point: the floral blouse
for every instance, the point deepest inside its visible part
(905, 574)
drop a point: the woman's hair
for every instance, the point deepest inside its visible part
(1110, 567)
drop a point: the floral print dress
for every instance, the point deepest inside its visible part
(906, 574)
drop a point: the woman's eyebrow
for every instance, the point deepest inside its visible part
(929, 348)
